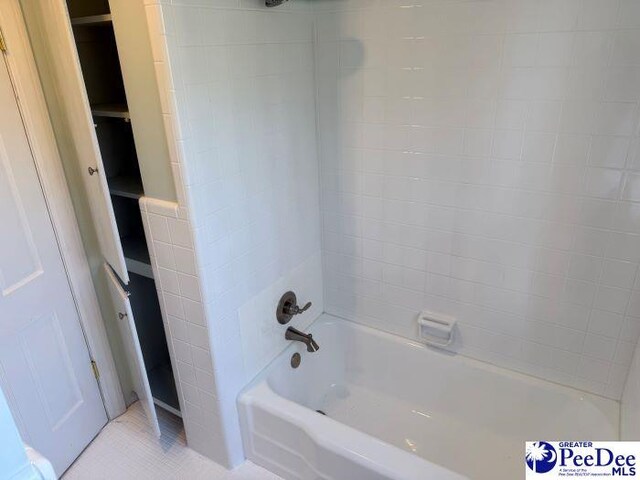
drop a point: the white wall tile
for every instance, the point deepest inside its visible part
(530, 210)
(598, 14)
(629, 14)
(242, 117)
(490, 180)
(618, 274)
(607, 324)
(179, 297)
(632, 188)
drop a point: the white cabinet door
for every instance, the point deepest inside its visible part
(92, 169)
(103, 216)
(78, 134)
(129, 335)
(45, 367)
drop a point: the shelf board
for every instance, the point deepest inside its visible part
(138, 267)
(135, 249)
(136, 256)
(92, 20)
(112, 110)
(127, 187)
(168, 408)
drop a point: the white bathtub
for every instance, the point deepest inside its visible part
(396, 409)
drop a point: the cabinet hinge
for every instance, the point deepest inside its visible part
(94, 367)
(3, 44)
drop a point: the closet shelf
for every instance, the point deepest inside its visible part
(141, 268)
(92, 20)
(167, 407)
(127, 187)
(113, 110)
(136, 256)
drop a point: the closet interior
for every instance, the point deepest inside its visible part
(95, 41)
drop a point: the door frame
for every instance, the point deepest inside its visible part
(35, 114)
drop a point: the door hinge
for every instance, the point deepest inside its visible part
(3, 44)
(94, 367)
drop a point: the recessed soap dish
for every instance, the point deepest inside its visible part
(436, 329)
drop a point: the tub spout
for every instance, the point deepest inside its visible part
(306, 338)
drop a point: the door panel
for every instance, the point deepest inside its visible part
(129, 335)
(19, 260)
(45, 367)
(48, 358)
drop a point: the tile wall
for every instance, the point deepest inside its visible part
(477, 158)
(239, 98)
(481, 159)
(176, 275)
(189, 327)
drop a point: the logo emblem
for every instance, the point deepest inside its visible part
(540, 456)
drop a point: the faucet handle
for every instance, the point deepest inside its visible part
(296, 310)
(288, 307)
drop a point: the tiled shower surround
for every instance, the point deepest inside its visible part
(478, 159)
(240, 105)
(481, 159)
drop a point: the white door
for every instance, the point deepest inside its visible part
(45, 368)
(129, 334)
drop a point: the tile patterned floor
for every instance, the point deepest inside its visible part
(127, 449)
